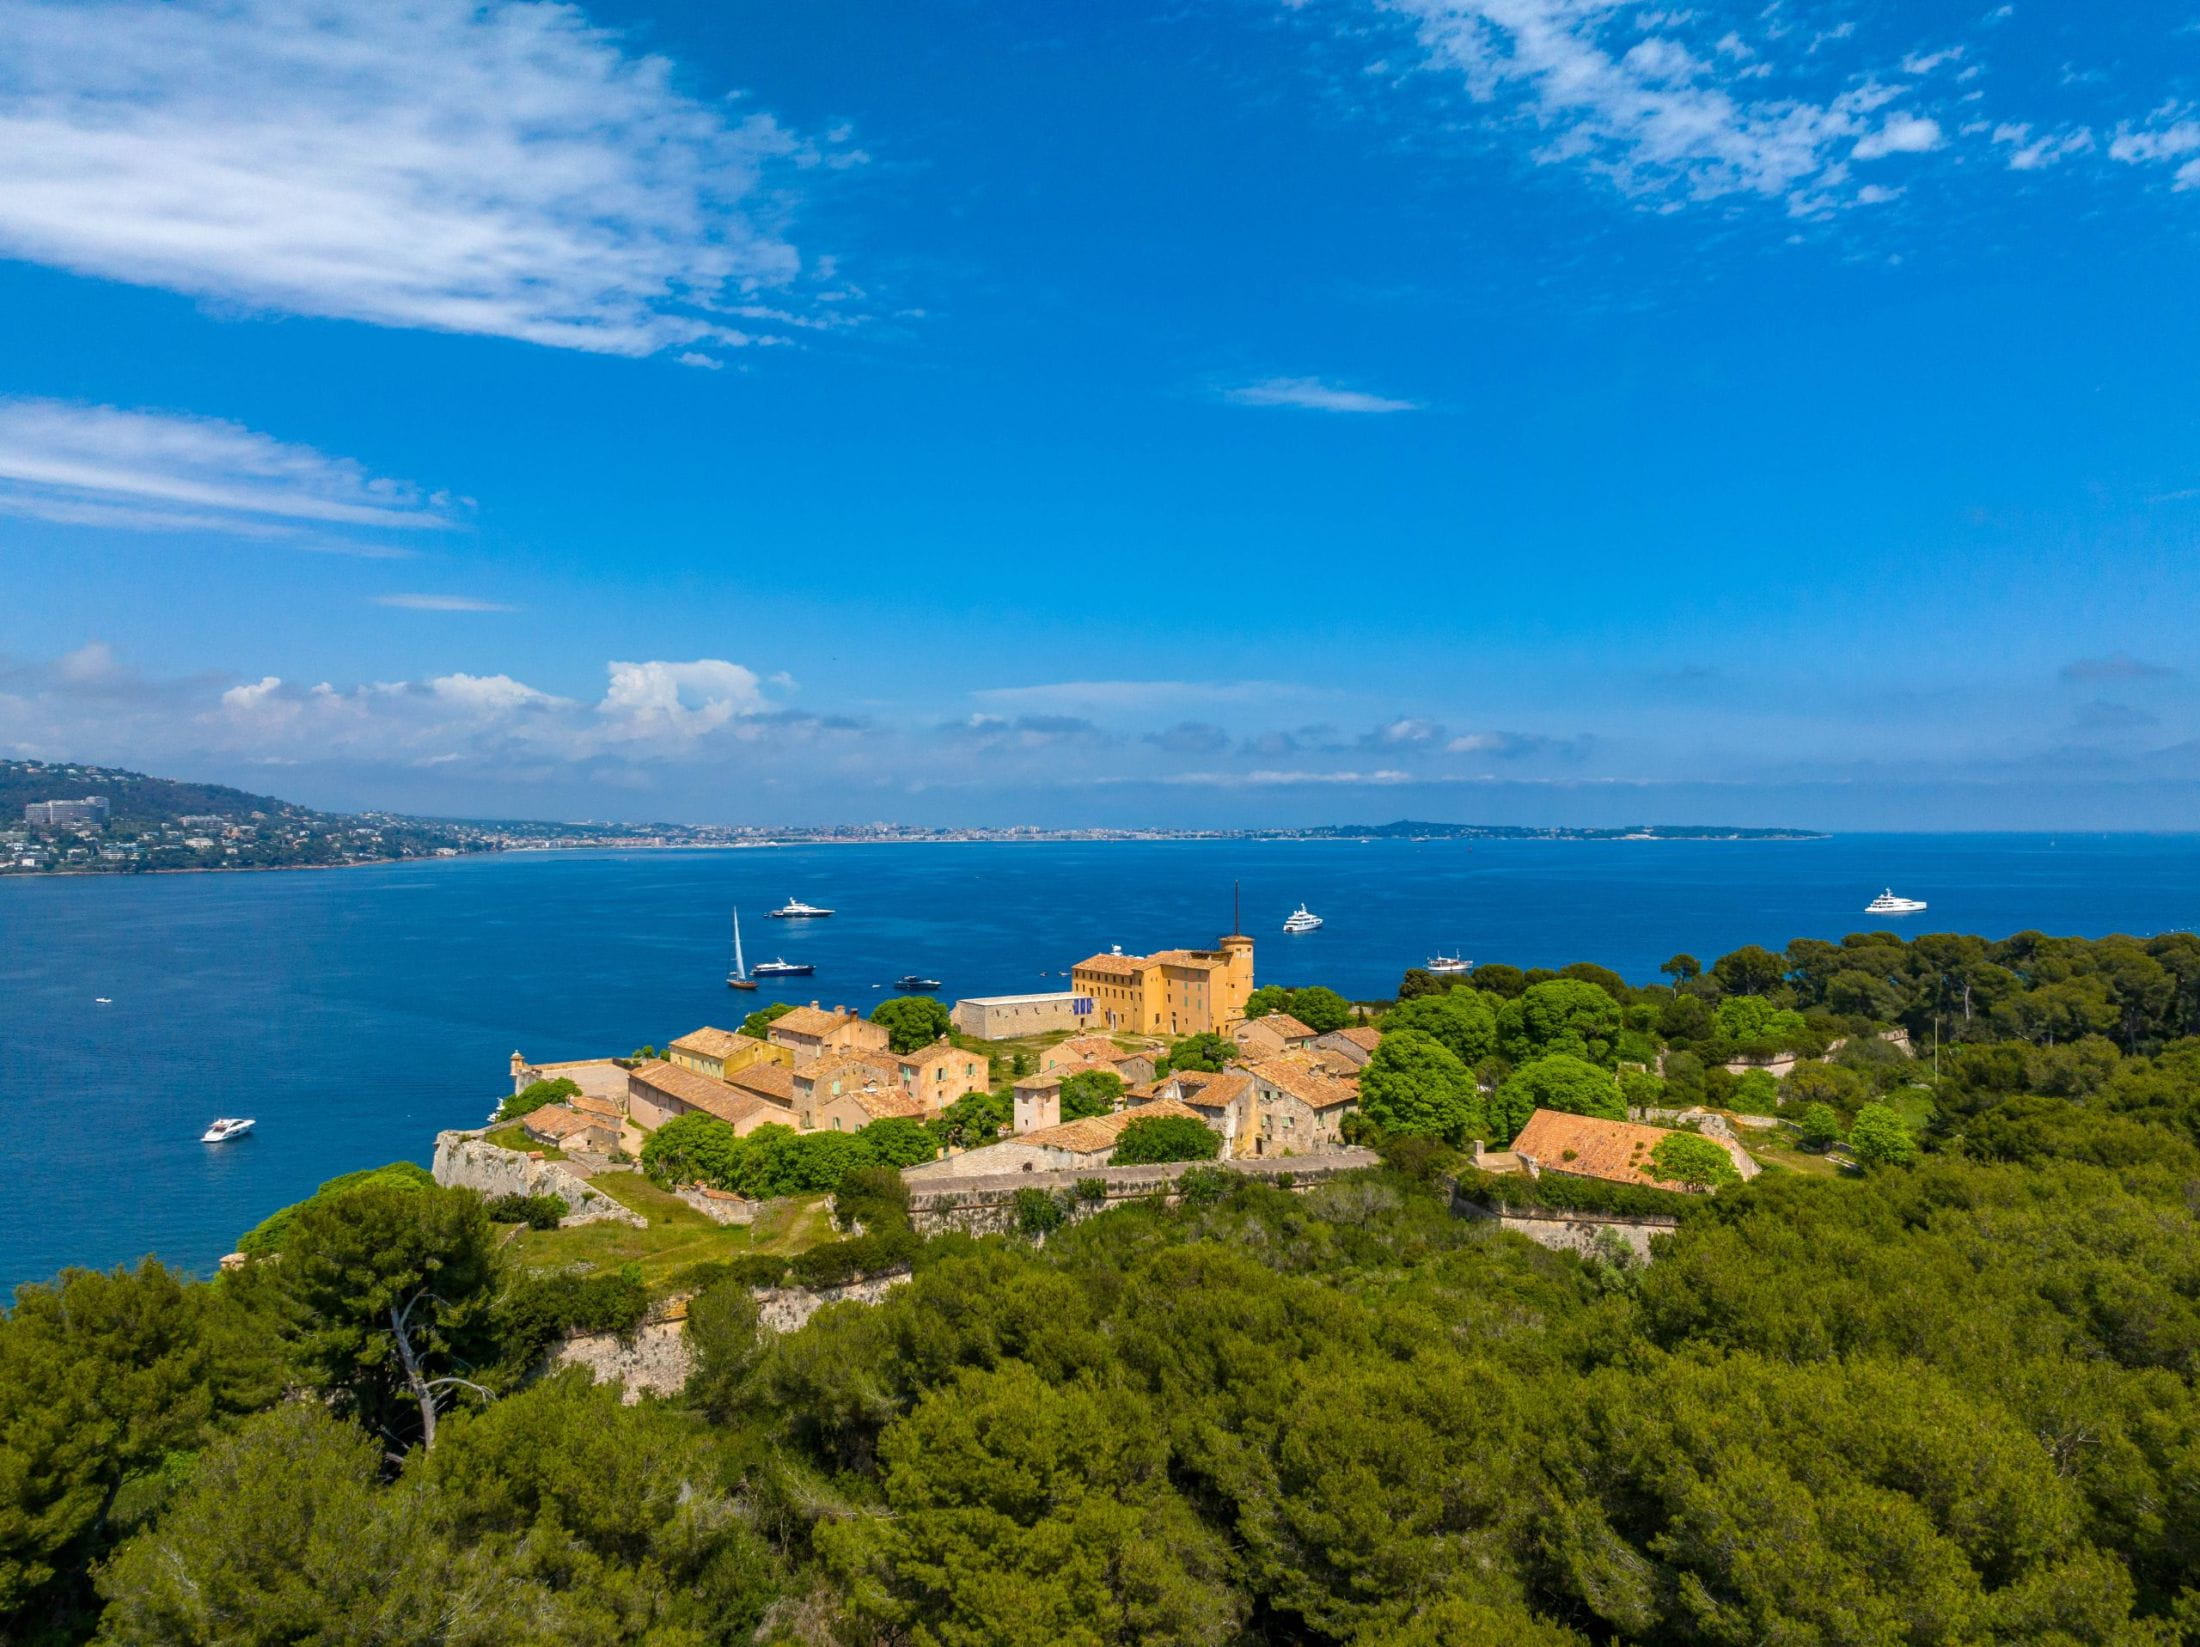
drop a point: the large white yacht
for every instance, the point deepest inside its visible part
(1302, 919)
(1888, 904)
(794, 909)
(1449, 963)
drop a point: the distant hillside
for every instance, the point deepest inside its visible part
(146, 828)
(136, 798)
(1412, 830)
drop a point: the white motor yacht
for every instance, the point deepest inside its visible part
(223, 1130)
(1449, 963)
(1888, 904)
(1302, 919)
(794, 909)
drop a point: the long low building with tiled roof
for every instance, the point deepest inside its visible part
(658, 1091)
(718, 1053)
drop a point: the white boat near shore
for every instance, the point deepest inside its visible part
(1888, 904)
(224, 1129)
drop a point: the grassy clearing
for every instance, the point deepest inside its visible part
(677, 1235)
(1786, 1155)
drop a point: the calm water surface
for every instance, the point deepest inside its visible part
(354, 1012)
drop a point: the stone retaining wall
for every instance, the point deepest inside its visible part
(464, 1161)
(655, 1358)
(1565, 1230)
(986, 1205)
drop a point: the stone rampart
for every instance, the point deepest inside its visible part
(1564, 1229)
(986, 1205)
(463, 1160)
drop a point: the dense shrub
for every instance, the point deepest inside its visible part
(537, 1212)
(1161, 1138)
(535, 1095)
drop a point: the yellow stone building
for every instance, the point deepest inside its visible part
(1170, 992)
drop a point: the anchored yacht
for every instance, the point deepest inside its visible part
(1302, 919)
(1449, 963)
(781, 969)
(916, 982)
(1888, 904)
(794, 909)
(223, 1130)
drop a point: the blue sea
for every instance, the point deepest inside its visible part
(354, 1012)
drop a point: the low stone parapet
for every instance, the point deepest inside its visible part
(464, 1160)
(719, 1206)
(1565, 1229)
(986, 1204)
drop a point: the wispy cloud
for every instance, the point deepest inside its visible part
(505, 169)
(1311, 394)
(1652, 102)
(167, 472)
(442, 603)
(2117, 666)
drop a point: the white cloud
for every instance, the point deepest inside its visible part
(158, 471)
(2028, 153)
(1609, 93)
(505, 169)
(442, 603)
(2170, 136)
(678, 700)
(1899, 134)
(1311, 394)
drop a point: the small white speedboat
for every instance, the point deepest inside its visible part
(228, 1127)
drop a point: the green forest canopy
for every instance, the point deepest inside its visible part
(1945, 1402)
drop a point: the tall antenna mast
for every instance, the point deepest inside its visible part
(1237, 917)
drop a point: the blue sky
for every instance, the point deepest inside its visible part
(1522, 410)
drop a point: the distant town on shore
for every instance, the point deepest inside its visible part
(60, 818)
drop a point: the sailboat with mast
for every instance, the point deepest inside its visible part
(739, 977)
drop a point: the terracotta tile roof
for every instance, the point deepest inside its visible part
(844, 1065)
(1206, 959)
(772, 1081)
(555, 1122)
(1213, 1091)
(709, 1043)
(1306, 1080)
(936, 1051)
(591, 1103)
(1363, 1036)
(1127, 966)
(882, 1103)
(1284, 1025)
(1099, 1132)
(1584, 1147)
(728, 1103)
(810, 1020)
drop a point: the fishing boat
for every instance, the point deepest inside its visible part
(781, 969)
(1302, 919)
(739, 977)
(1449, 963)
(1888, 904)
(794, 909)
(914, 982)
(223, 1130)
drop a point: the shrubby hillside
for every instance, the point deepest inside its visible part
(1945, 1395)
